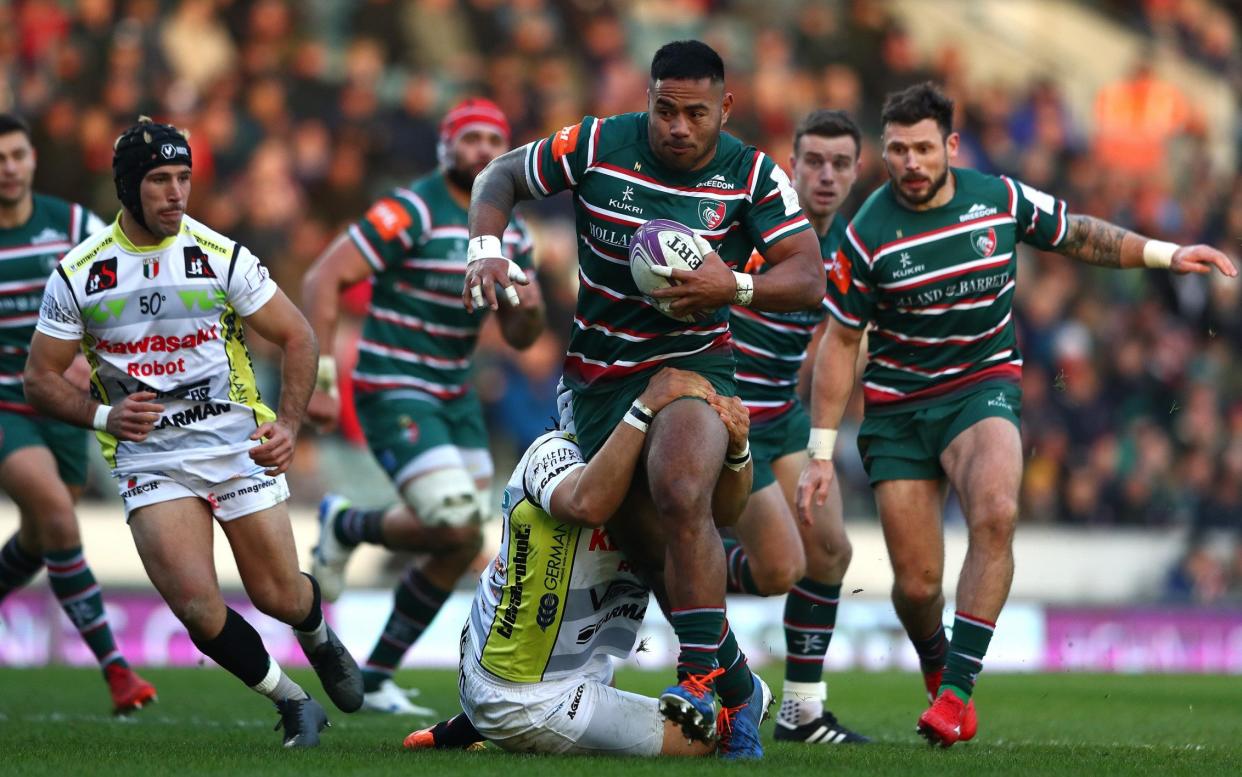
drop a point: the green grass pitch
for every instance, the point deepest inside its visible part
(54, 721)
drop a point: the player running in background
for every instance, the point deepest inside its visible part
(539, 637)
(43, 462)
(672, 162)
(929, 265)
(774, 552)
(158, 303)
(422, 420)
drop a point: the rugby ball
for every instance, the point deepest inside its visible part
(669, 244)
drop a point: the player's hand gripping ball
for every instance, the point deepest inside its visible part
(663, 243)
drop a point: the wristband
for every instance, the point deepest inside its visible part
(484, 247)
(821, 444)
(738, 463)
(325, 378)
(1158, 254)
(101, 417)
(639, 416)
(745, 293)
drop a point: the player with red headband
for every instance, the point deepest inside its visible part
(422, 420)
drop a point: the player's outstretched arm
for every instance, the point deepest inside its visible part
(51, 393)
(590, 495)
(340, 266)
(835, 373)
(282, 324)
(500, 186)
(1104, 244)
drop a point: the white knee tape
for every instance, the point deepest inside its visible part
(443, 497)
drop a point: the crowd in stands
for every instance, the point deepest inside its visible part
(301, 112)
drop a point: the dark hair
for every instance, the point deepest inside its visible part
(13, 123)
(915, 103)
(689, 59)
(828, 124)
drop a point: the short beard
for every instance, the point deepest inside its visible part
(932, 190)
(462, 179)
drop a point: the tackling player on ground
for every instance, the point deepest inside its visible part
(775, 552)
(536, 674)
(929, 265)
(671, 161)
(157, 303)
(422, 420)
(42, 461)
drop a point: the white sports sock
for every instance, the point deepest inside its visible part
(277, 686)
(309, 640)
(802, 703)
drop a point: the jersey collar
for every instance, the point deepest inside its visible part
(127, 245)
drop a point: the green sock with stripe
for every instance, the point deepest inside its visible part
(967, 648)
(415, 602)
(810, 617)
(74, 585)
(737, 684)
(698, 634)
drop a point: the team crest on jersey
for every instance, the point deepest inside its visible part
(711, 213)
(196, 264)
(102, 276)
(150, 267)
(409, 429)
(984, 241)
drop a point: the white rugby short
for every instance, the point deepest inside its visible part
(577, 715)
(231, 483)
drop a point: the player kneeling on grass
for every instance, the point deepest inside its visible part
(157, 303)
(535, 672)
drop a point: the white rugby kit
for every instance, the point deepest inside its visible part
(169, 319)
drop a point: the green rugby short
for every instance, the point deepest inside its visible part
(787, 433)
(907, 445)
(67, 443)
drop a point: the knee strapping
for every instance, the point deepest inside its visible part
(445, 497)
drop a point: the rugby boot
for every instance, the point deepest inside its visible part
(302, 719)
(329, 557)
(129, 691)
(691, 704)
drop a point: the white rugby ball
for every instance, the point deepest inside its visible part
(665, 243)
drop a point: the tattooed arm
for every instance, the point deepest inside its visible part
(1100, 243)
(500, 186)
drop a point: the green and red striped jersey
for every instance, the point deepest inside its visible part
(28, 255)
(418, 338)
(937, 286)
(739, 202)
(771, 347)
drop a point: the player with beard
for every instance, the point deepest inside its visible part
(422, 420)
(671, 161)
(43, 462)
(928, 269)
(775, 553)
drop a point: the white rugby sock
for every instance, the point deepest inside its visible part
(802, 703)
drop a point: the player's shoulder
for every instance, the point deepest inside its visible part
(213, 243)
(549, 443)
(604, 136)
(877, 210)
(90, 249)
(984, 186)
(54, 208)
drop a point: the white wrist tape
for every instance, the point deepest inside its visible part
(484, 247)
(489, 247)
(101, 417)
(745, 293)
(738, 462)
(821, 443)
(325, 378)
(639, 416)
(1158, 254)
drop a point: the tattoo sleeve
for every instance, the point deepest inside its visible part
(1100, 243)
(500, 186)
